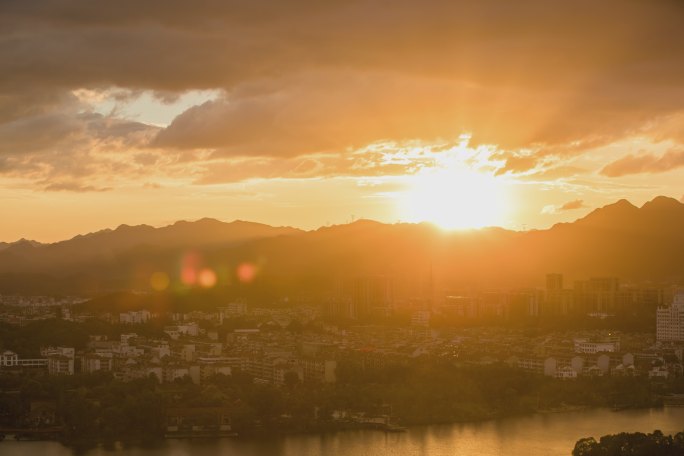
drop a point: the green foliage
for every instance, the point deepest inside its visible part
(634, 444)
(27, 340)
(426, 390)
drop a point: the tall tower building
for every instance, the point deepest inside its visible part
(559, 302)
(554, 282)
(670, 321)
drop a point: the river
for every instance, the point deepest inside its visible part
(537, 435)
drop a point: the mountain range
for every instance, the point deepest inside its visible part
(634, 243)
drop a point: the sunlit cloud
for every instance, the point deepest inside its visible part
(645, 163)
(569, 206)
(176, 107)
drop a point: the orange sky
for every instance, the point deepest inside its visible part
(303, 113)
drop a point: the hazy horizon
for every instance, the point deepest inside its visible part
(522, 228)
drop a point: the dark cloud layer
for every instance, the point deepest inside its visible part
(539, 78)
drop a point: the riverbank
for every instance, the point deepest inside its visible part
(531, 435)
(319, 429)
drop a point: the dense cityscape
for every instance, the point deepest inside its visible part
(622, 343)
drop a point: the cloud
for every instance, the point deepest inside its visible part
(551, 173)
(73, 187)
(645, 163)
(55, 140)
(230, 170)
(383, 159)
(305, 79)
(324, 111)
(549, 209)
(569, 206)
(560, 53)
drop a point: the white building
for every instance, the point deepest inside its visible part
(566, 373)
(60, 365)
(670, 321)
(610, 344)
(134, 318)
(69, 352)
(10, 359)
(93, 362)
(60, 360)
(544, 366)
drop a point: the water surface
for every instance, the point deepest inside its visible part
(538, 435)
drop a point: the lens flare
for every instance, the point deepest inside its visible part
(246, 272)
(188, 276)
(159, 281)
(189, 268)
(206, 278)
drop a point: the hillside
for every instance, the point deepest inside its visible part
(620, 239)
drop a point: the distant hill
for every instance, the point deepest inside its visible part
(19, 244)
(108, 245)
(620, 239)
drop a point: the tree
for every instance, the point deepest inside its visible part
(587, 446)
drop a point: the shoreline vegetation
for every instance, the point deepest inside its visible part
(586, 444)
(631, 444)
(425, 392)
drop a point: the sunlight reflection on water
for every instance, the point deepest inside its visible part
(539, 435)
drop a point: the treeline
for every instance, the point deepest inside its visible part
(432, 390)
(100, 408)
(27, 340)
(631, 444)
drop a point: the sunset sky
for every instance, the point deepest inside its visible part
(519, 114)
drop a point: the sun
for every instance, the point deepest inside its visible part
(456, 197)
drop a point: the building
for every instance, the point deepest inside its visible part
(231, 310)
(609, 344)
(558, 301)
(554, 282)
(670, 321)
(537, 365)
(525, 303)
(460, 306)
(420, 318)
(318, 370)
(60, 365)
(93, 362)
(60, 360)
(134, 318)
(368, 295)
(10, 360)
(215, 366)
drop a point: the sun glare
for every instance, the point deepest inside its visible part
(454, 198)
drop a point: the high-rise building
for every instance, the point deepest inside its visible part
(559, 302)
(366, 295)
(670, 321)
(598, 296)
(554, 282)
